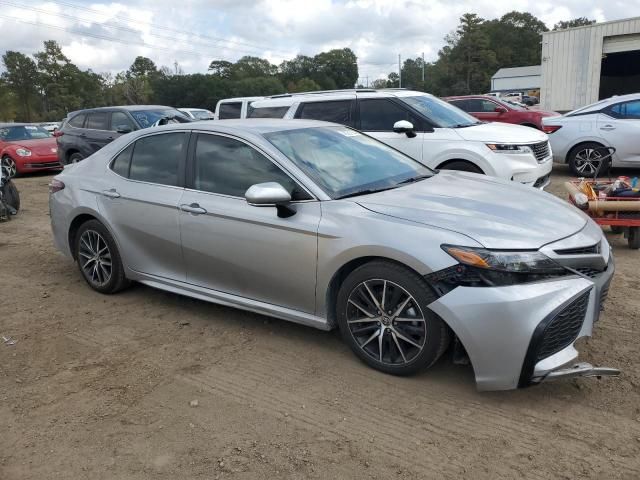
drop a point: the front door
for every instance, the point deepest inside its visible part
(233, 247)
(620, 127)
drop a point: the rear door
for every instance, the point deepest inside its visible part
(142, 191)
(619, 125)
(96, 132)
(240, 249)
(341, 110)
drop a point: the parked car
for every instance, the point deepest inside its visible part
(427, 129)
(26, 148)
(578, 137)
(320, 224)
(492, 109)
(87, 131)
(233, 108)
(198, 113)
(530, 101)
(50, 126)
(512, 96)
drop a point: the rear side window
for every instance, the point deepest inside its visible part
(380, 115)
(120, 120)
(626, 110)
(267, 112)
(78, 120)
(338, 111)
(156, 159)
(120, 164)
(98, 121)
(229, 110)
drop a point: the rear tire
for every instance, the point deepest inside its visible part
(408, 339)
(75, 157)
(616, 229)
(634, 238)
(98, 258)
(461, 166)
(584, 159)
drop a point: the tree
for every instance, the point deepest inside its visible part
(7, 103)
(250, 67)
(379, 83)
(220, 68)
(21, 78)
(142, 67)
(576, 22)
(303, 85)
(340, 65)
(300, 67)
(470, 49)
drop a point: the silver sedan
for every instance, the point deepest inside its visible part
(319, 224)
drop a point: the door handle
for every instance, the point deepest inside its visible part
(193, 208)
(111, 193)
(607, 127)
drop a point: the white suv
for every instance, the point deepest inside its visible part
(430, 130)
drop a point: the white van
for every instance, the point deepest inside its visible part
(426, 128)
(231, 108)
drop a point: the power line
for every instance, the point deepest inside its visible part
(122, 28)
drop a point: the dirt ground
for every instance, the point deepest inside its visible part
(147, 384)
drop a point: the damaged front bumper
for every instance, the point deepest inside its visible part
(581, 369)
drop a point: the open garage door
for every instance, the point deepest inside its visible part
(620, 69)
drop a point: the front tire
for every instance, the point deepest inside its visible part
(383, 316)
(75, 157)
(9, 166)
(98, 258)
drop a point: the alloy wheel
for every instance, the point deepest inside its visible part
(95, 258)
(9, 167)
(587, 161)
(386, 322)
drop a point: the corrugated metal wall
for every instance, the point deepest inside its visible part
(515, 83)
(571, 63)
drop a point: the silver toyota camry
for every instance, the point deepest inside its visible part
(319, 224)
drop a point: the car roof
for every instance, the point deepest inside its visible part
(4, 125)
(251, 126)
(287, 99)
(239, 99)
(460, 97)
(130, 108)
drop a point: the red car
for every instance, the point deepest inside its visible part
(492, 109)
(27, 148)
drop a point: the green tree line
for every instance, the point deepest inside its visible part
(475, 51)
(47, 85)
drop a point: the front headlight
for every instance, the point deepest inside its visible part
(504, 261)
(479, 267)
(508, 148)
(23, 152)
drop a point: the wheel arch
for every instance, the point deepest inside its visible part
(464, 160)
(74, 226)
(579, 144)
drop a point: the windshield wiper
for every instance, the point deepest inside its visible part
(415, 179)
(464, 125)
(365, 192)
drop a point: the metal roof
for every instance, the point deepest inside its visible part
(529, 71)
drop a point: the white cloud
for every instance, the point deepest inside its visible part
(107, 36)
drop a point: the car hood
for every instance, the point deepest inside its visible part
(41, 146)
(497, 132)
(496, 213)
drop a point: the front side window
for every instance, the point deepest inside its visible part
(337, 111)
(626, 110)
(344, 162)
(380, 115)
(156, 159)
(98, 121)
(462, 105)
(439, 112)
(229, 111)
(229, 167)
(121, 121)
(266, 112)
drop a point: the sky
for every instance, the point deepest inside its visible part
(106, 36)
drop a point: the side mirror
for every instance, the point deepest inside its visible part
(123, 128)
(403, 126)
(500, 110)
(268, 194)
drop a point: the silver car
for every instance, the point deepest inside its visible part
(319, 224)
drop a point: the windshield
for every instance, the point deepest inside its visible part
(23, 132)
(344, 162)
(147, 118)
(443, 114)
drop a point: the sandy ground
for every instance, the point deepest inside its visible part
(99, 387)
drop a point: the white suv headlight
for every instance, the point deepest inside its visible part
(23, 152)
(508, 148)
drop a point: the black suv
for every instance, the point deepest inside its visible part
(87, 131)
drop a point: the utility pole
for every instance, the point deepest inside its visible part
(399, 72)
(423, 69)
(367, 77)
(175, 64)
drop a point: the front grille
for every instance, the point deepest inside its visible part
(589, 272)
(590, 250)
(540, 150)
(563, 328)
